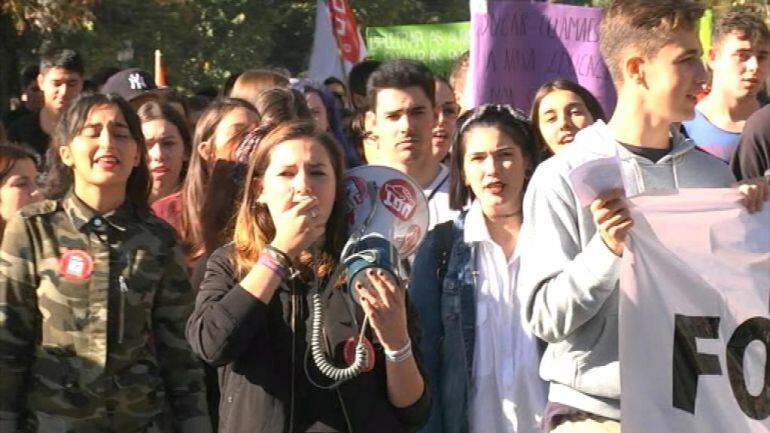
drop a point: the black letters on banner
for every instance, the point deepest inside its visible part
(688, 363)
(756, 328)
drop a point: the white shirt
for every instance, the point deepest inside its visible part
(506, 393)
(437, 194)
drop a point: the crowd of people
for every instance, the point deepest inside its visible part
(162, 255)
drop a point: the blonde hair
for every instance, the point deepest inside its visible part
(253, 82)
(254, 226)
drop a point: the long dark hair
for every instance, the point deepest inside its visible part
(10, 153)
(224, 191)
(592, 104)
(60, 178)
(505, 118)
(198, 174)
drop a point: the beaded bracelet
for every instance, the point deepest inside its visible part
(278, 255)
(269, 262)
(400, 355)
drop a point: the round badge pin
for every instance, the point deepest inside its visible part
(76, 264)
(349, 353)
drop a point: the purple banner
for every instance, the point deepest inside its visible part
(517, 46)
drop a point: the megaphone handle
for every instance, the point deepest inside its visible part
(404, 267)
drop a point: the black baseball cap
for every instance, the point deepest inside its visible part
(130, 83)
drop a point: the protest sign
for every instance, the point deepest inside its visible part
(518, 46)
(436, 45)
(694, 317)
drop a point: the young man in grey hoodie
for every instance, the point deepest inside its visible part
(570, 256)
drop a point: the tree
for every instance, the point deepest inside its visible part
(48, 16)
(203, 41)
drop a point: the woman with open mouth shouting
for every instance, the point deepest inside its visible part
(93, 292)
(480, 357)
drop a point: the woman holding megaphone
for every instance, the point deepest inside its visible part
(252, 315)
(481, 359)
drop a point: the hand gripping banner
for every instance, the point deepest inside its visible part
(695, 315)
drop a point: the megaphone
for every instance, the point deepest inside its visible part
(388, 218)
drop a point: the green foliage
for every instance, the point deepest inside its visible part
(203, 41)
(47, 15)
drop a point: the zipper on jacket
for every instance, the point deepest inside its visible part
(475, 276)
(344, 411)
(122, 311)
(337, 389)
(293, 354)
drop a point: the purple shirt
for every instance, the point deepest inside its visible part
(711, 138)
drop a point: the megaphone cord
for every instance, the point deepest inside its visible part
(317, 342)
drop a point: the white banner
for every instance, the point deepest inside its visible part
(695, 316)
(337, 41)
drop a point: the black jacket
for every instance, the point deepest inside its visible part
(752, 156)
(262, 362)
(27, 130)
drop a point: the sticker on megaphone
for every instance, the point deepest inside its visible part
(387, 202)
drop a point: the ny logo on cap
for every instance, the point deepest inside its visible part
(136, 81)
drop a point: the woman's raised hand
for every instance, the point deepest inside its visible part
(297, 227)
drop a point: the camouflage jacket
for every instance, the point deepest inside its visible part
(92, 316)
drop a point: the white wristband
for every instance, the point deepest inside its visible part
(400, 355)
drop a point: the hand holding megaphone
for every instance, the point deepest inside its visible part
(387, 218)
(298, 226)
(383, 299)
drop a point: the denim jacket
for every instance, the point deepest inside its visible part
(447, 312)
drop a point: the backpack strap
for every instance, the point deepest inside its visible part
(444, 242)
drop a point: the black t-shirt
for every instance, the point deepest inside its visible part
(751, 158)
(12, 116)
(27, 131)
(653, 155)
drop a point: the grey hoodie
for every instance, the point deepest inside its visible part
(571, 278)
